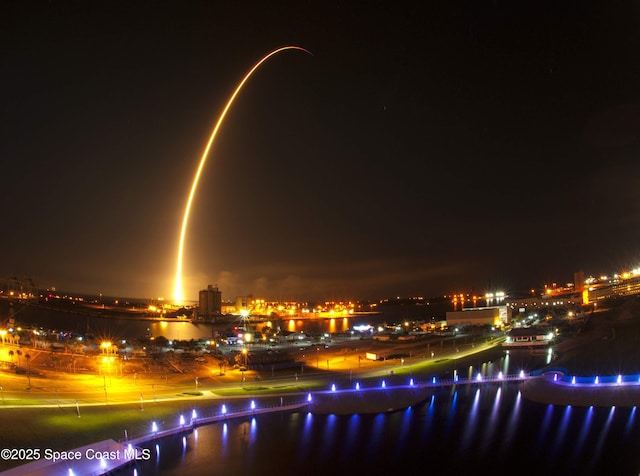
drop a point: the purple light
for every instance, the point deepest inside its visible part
(411, 382)
(357, 385)
(333, 387)
(479, 377)
(253, 405)
(383, 384)
(309, 398)
(224, 409)
(573, 380)
(597, 380)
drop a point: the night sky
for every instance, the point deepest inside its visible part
(423, 148)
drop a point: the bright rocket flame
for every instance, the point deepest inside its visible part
(178, 291)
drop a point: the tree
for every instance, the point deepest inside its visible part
(161, 342)
(11, 355)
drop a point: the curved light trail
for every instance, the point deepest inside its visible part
(178, 291)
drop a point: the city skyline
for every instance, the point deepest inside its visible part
(420, 150)
(28, 287)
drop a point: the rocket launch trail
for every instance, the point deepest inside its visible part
(178, 290)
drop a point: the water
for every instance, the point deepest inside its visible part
(116, 329)
(483, 429)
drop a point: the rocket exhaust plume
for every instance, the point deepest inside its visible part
(178, 291)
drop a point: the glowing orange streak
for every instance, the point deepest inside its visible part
(178, 293)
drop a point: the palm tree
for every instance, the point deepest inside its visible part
(11, 355)
(18, 353)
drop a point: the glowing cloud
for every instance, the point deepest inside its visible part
(178, 291)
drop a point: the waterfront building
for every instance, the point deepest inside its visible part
(498, 316)
(627, 284)
(528, 337)
(569, 299)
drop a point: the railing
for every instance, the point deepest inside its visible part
(195, 421)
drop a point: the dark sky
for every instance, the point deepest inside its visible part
(424, 148)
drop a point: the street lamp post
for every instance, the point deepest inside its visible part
(246, 357)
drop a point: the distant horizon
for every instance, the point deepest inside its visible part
(380, 299)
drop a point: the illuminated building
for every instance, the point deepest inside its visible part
(626, 284)
(528, 337)
(498, 316)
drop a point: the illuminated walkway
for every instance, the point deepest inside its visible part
(106, 456)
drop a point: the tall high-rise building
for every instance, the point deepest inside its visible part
(210, 303)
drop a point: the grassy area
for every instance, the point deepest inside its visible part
(263, 390)
(62, 428)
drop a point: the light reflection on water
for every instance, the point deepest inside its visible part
(451, 432)
(493, 422)
(584, 431)
(470, 423)
(116, 328)
(541, 440)
(561, 433)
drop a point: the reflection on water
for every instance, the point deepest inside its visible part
(116, 329)
(331, 326)
(454, 431)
